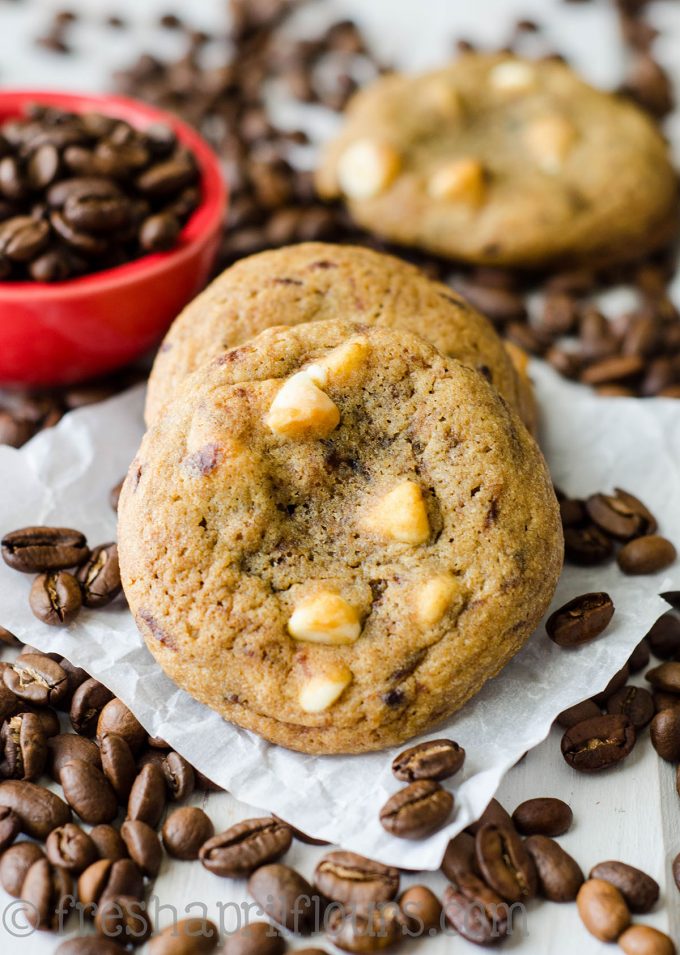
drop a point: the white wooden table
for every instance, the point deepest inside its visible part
(631, 813)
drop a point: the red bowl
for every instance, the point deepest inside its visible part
(62, 332)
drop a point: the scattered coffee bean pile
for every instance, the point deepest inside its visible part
(84, 192)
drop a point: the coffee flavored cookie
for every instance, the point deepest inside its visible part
(336, 535)
(503, 161)
(318, 281)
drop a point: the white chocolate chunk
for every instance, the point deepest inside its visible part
(512, 76)
(302, 410)
(461, 180)
(434, 597)
(340, 364)
(366, 168)
(321, 691)
(549, 141)
(401, 515)
(325, 618)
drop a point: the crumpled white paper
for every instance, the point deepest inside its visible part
(63, 477)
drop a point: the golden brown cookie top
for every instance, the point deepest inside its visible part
(501, 160)
(335, 535)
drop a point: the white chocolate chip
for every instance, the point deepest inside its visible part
(302, 410)
(340, 364)
(401, 515)
(321, 691)
(459, 181)
(549, 141)
(512, 76)
(325, 618)
(434, 597)
(366, 168)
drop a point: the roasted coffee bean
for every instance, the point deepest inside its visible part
(499, 304)
(639, 890)
(364, 931)
(24, 747)
(639, 658)
(166, 178)
(545, 816)
(105, 879)
(33, 550)
(587, 545)
(352, 880)
(245, 846)
(254, 938)
(634, 702)
(615, 684)
(475, 911)
(22, 238)
(124, 918)
(664, 636)
(672, 597)
(147, 796)
(422, 911)
(580, 620)
(435, 759)
(97, 212)
(10, 827)
(39, 810)
(76, 677)
(46, 715)
(115, 717)
(86, 704)
(143, 846)
(459, 858)
(620, 515)
(665, 677)
(417, 811)
(90, 945)
(577, 713)
(645, 940)
(559, 877)
(665, 701)
(108, 842)
(504, 863)
(646, 555)
(37, 679)
(56, 598)
(48, 894)
(602, 909)
(118, 765)
(598, 743)
(99, 576)
(664, 733)
(8, 638)
(159, 232)
(69, 847)
(494, 813)
(65, 747)
(286, 897)
(8, 703)
(15, 863)
(185, 831)
(192, 936)
(88, 792)
(179, 776)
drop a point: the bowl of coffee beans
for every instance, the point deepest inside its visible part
(111, 214)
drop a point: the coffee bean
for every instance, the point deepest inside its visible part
(99, 576)
(645, 940)
(360, 931)
(494, 813)
(48, 894)
(185, 831)
(646, 555)
(123, 918)
(109, 842)
(33, 550)
(559, 877)
(255, 938)
(602, 909)
(459, 858)
(90, 945)
(615, 684)
(499, 304)
(69, 847)
(143, 846)
(15, 863)
(37, 679)
(65, 747)
(353, 880)
(8, 638)
(105, 879)
(159, 232)
(56, 598)
(580, 620)
(587, 546)
(286, 897)
(665, 677)
(421, 910)
(417, 811)
(22, 238)
(475, 911)
(664, 636)
(639, 658)
(620, 515)
(639, 890)
(192, 936)
(664, 733)
(246, 846)
(577, 713)
(118, 765)
(86, 704)
(24, 747)
(76, 676)
(179, 776)
(39, 810)
(8, 702)
(10, 827)
(634, 702)
(115, 717)
(148, 796)
(88, 792)
(544, 816)
(166, 178)
(598, 743)
(504, 863)
(435, 759)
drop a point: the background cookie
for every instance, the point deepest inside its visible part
(317, 281)
(503, 161)
(335, 536)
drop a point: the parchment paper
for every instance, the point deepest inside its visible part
(63, 477)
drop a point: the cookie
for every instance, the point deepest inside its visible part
(317, 281)
(335, 535)
(503, 161)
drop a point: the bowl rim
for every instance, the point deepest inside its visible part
(199, 228)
